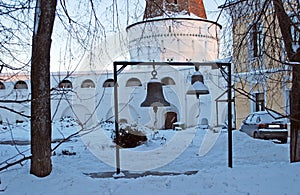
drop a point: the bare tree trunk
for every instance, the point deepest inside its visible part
(285, 28)
(295, 111)
(40, 88)
(295, 116)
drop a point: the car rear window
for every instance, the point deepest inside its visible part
(267, 118)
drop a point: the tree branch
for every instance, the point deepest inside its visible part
(285, 27)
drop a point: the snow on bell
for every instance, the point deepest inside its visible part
(198, 87)
(155, 97)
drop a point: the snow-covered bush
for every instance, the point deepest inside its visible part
(130, 137)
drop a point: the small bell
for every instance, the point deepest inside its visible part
(198, 87)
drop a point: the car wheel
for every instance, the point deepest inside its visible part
(283, 141)
(255, 135)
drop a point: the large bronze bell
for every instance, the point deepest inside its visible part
(155, 97)
(198, 87)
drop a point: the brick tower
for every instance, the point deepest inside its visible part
(156, 8)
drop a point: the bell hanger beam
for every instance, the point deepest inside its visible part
(213, 64)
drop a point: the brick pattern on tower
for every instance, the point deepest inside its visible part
(156, 8)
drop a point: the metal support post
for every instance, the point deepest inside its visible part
(118, 170)
(229, 117)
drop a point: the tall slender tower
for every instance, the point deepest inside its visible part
(174, 30)
(165, 7)
(178, 31)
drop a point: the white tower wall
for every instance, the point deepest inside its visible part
(181, 40)
(174, 39)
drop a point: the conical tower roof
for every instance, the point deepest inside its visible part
(156, 8)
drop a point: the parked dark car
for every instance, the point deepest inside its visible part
(265, 125)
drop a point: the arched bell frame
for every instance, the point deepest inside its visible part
(214, 65)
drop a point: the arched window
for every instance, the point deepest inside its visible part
(133, 82)
(109, 83)
(20, 85)
(2, 86)
(88, 83)
(123, 121)
(65, 84)
(167, 81)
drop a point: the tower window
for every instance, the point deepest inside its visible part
(88, 84)
(20, 85)
(109, 83)
(132, 82)
(2, 86)
(256, 40)
(65, 84)
(260, 102)
(167, 81)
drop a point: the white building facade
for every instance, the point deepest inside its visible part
(181, 33)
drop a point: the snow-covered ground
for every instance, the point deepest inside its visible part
(198, 165)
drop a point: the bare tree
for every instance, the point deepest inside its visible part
(40, 88)
(265, 38)
(77, 25)
(15, 15)
(288, 28)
